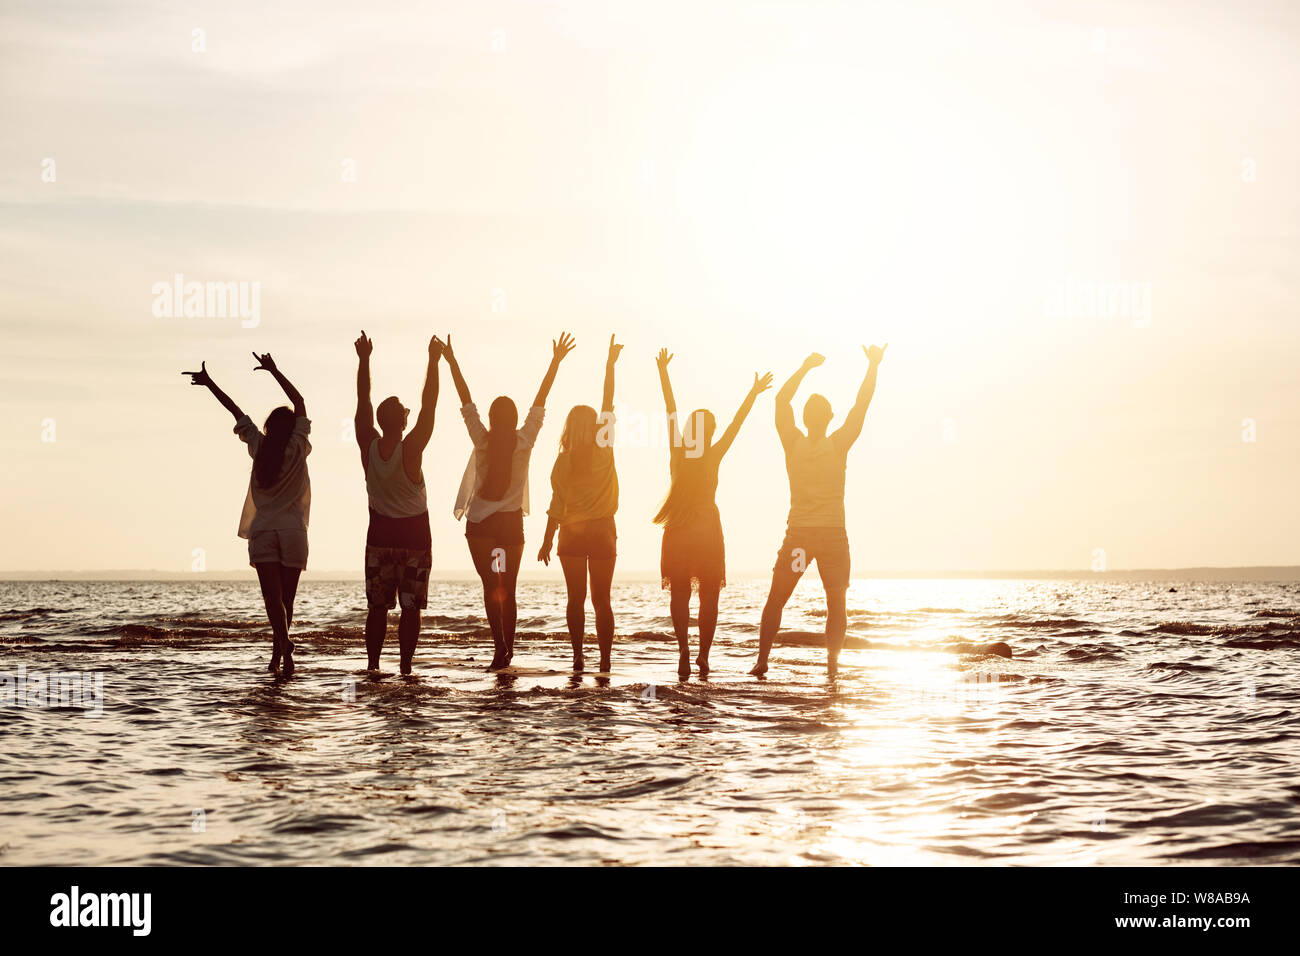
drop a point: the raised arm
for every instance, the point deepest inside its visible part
(201, 377)
(761, 384)
(363, 423)
(559, 349)
(267, 364)
(785, 426)
(419, 435)
(462, 390)
(848, 432)
(607, 395)
(670, 403)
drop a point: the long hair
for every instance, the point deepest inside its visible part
(269, 460)
(503, 419)
(690, 484)
(578, 438)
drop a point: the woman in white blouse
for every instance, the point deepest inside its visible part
(277, 502)
(493, 496)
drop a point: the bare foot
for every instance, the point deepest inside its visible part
(759, 669)
(703, 664)
(578, 663)
(684, 666)
(604, 665)
(275, 657)
(405, 666)
(288, 659)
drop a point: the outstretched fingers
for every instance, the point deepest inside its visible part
(563, 346)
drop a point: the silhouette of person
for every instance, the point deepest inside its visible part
(493, 495)
(815, 463)
(399, 548)
(693, 555)
(277, 503)
(584, 498)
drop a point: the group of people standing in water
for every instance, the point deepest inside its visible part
(493, 499)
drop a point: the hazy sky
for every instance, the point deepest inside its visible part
(741, 182)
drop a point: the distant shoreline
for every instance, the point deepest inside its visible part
(1259, 573)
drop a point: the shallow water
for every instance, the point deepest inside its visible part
(1132, 725)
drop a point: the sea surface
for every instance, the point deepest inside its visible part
(1132, 724)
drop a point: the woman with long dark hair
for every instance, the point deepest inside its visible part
(493, 496)
(693, 555)
(277, 503)
(584, 499)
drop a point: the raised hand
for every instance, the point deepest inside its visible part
(200, 377)
(364, 346)
(663, 359)
(875, 353)
(436, 348)
(761, 383)
(813, 360)
(447, 353)
(563, 346)
(613, 351)
(264, 362)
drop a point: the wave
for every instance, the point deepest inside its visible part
(24, 614)
(1016, 620)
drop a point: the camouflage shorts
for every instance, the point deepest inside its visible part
(397, 576)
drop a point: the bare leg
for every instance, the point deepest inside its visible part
(681, 611)
(376, 631)
(784, 580)
(509, 608)
(288, 592)
(837, 623)
(408, 635)
(268, 576)
(708, 621)
(575, 581)
(486, 563)
(602, 575)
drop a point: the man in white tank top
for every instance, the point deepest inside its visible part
(398, 544)
(815, 530)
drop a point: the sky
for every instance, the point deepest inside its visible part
(1075, 224)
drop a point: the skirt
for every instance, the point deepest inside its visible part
(694, 551)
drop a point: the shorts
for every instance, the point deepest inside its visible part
(597, 538)
(501, 528)
(829, 547)
(694, 552)
(286, 547)
(397, 576)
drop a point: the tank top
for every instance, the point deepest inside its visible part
(816, 469)
(392, 493)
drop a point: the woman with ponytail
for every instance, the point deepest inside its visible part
(493, 496)
(584, 498)
(277, 503)
(693, 554)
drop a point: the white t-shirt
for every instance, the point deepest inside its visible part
(468, 502)
(285, 504)
(816, 468)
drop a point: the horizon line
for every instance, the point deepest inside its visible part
(1279, 572)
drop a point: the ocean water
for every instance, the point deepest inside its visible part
(1133, 724)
